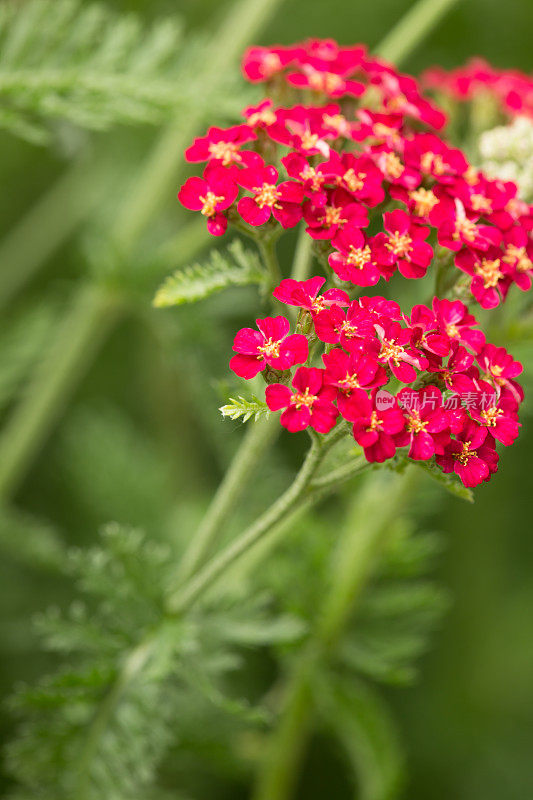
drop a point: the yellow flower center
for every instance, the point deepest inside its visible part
(424, 200)
(399, 243)
(390, 352)
(358, 256)
(375, 422)
(271, 63)
(392, 166)
(490, 415)
(333, 216)
(325, 81)
(490, 272)
(464, 228)
(349, 382)
(414, 423)
(481, 203)
(335, 121)
(309, 140)
(270, 348)
(432, 162)
(306, 399)
(471, 176)
(227, 152)
(310, 174)
(267, 195)
(267, 117)
(354, 181)
(452, 330)
(466, 454)
(210, 201)
(518, 254)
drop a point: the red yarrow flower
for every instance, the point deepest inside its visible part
(211, 195)
(223, 146)
(304, 294)
(396, 351)
(350, 374)
(471, 455)
(374, 429)
(309, 403)
(283, 200)
(353, 259)
(271, 346)
(427, 422)
(404, 246)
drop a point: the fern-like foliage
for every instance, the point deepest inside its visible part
(235, 267)
(133, 682)
(83, 63)
(244, 409)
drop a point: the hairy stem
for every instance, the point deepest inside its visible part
(267, 248)
(353, 565)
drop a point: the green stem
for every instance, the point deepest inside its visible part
(241, 470)
(184, 598)
(48, 224)
(352, 566)
(412, 28)
(78, 337)
(159, 174)
(303, 256)
(267, 248)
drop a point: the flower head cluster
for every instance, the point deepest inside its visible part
(450, 396)
(512, 90)
(365, 169)
(350, 149)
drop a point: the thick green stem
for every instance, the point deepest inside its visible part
(77, 340)
(246, 461)
(412, 28)
(353, 565)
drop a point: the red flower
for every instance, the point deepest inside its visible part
(358, 175)
(310, 404)
(335, 326)
(271, 345)
(426, 334)
(222, 146)
(501, 417)
(518, 250)
(404, 247)
(396, 351)
(454, 319)
(340, 210)
(393, 168)
(433, 157)
(351, 374)
(304, 294)
(262, 63)
(427, 422)
(458, 374)
(211, 195)
(488, 274)
(313, 182)
(353, 259)
(328, 83)
(456, 228)
(498, 366)
(374, 429)
(471, 455)
(282, 200)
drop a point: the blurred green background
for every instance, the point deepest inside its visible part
(150, 395)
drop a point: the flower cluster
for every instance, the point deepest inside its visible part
(512, 90)
(432, 355)
(351, 149)
(363, 166)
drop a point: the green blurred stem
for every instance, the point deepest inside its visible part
(158, 176)
(303, 256)
(248, 459)
(412, 29)
(381, 500)
(48, 224)
(267, 248)
(77, 338)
